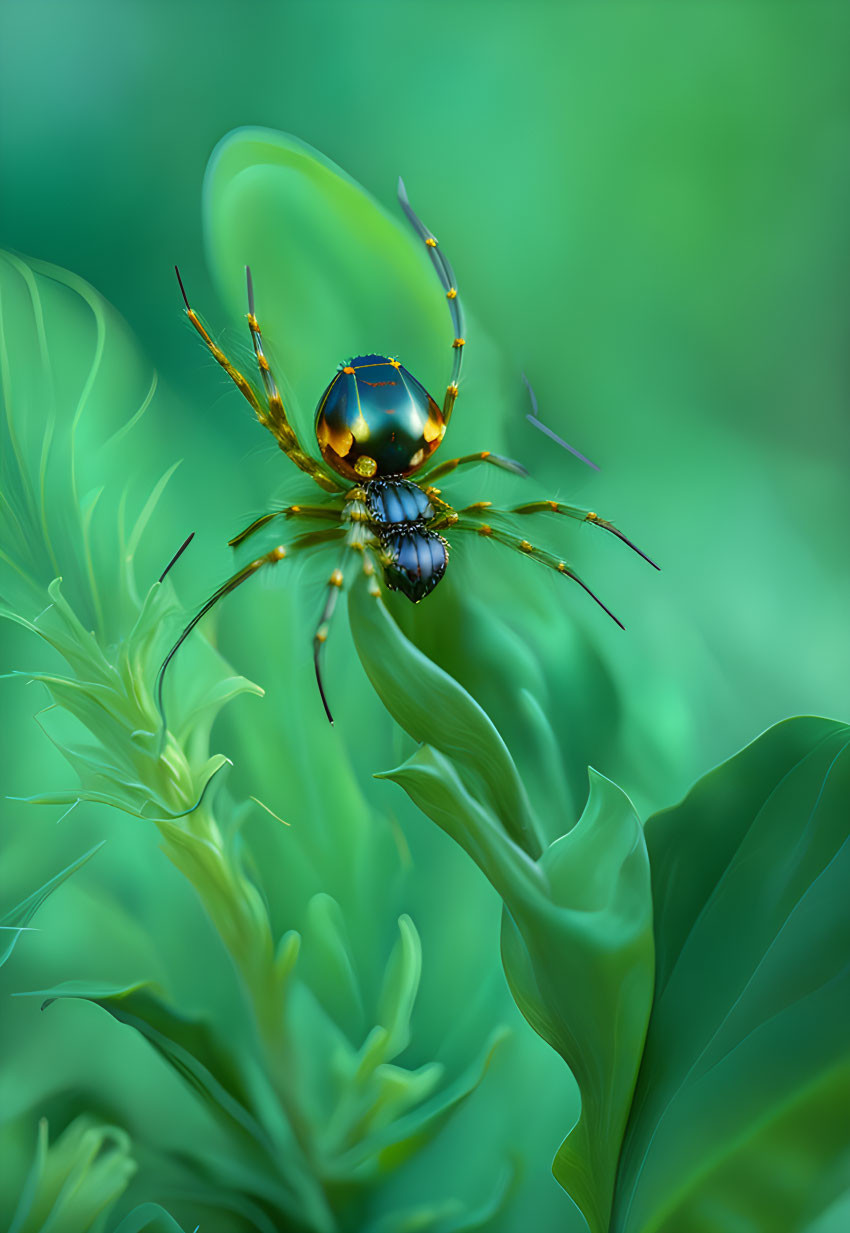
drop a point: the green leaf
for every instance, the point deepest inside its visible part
(188, 1045)
(432, 707)
(355, 276)
(229, 1083)
(577, 942)
(73, 1182)
(149, 1218)
(401, 985)
(388, 1147)
(70, 378)
(740, 1114)
(19, 917)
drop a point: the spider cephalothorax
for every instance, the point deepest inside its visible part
(376, 426)
(375, 420)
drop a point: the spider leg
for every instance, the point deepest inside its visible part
(569, 511)
(268, 558)
(538, 554)
(275, 419)
(335, 584)
(331, 512)
(239, 379)
(447, 279)
(178, 554)
(451, 464)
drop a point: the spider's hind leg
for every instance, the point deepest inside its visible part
(269, 558)
(310, 539)
(568, 511)
(487, 531)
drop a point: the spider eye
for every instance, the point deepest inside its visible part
(375, 419)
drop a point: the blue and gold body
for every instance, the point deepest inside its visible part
(376, 426)
(375, 419)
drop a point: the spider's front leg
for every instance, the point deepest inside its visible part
(276, 419)
(272, 415)
(445, 273)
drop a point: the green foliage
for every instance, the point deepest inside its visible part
(73, 1182)
(740, 1109)
(577, 925)
(16, 920)
(319, 1092)
(746, 1061)
(313, 1114)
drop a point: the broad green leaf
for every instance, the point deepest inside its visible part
(432, 707)
(19, 917)
(577, 940)
(740, 1114)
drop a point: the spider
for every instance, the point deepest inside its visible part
(376, 426)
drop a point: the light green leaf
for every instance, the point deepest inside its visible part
(73, 1182)
(401, 984)
(439, 711)
(740, 1114)
(17, 918)
(188, 1045)
(335, 274)
(70, 378)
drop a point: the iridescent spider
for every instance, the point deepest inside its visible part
(376, 426)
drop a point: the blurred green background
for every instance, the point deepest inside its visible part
(645, 205)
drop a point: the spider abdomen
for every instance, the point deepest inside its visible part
(415, 559)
